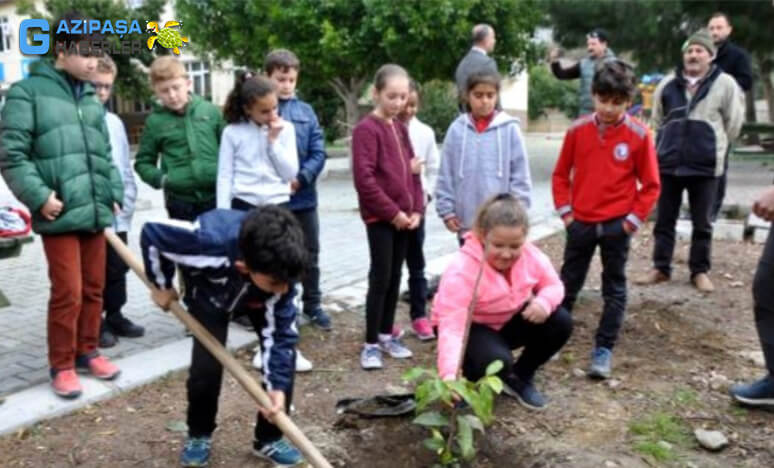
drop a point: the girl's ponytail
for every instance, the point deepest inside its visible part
(500, 210)
(234, 109)
(248, 87)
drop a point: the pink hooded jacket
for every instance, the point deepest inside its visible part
(532, 277)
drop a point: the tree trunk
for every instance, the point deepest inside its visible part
(349, 92)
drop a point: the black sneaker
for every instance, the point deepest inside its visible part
(758, 393)
(320, 319)
(106, 337)
(122, 326)
(524, 392)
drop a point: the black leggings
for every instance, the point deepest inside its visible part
(540, 342)
(387, 247)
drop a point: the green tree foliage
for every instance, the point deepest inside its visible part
(546, 92)
(438, 106)
(653, 31)
(132, 82)
(341, 43)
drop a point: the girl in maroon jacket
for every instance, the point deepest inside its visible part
(391, 203)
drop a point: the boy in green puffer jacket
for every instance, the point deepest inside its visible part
(55, 157)
(183, 133)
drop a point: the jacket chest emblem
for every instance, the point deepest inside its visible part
(621, 152)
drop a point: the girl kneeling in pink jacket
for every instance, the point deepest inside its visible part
(517, 304)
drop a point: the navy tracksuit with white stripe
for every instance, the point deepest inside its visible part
(205, 251)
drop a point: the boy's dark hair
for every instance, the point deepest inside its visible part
(385, 72)
(64, 41)
(483, 77)
(248, 88)
(271, 242)
(615, 79)
(280, 59)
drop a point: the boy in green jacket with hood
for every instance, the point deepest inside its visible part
(55, 157)
(183, 134)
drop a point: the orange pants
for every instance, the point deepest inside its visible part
(76, 268)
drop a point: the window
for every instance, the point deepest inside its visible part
(141, 106)
(5, 34)
(199, 73)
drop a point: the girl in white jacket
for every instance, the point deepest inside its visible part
(257, 158)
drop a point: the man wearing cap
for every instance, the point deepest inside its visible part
(476, 60)
(697, 110)
(735, 61)
(598, 52)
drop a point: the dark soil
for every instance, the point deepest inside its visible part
(678, 352)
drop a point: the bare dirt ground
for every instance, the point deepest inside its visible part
(677, 354)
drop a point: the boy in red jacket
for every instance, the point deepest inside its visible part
(594, 184)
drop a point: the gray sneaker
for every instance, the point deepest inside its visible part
(395, 348)
(601, 363)
(371, 358)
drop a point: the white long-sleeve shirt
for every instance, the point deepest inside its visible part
(422, 139)
(119, 145)
(251, 168)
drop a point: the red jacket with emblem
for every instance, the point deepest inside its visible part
(596, 177)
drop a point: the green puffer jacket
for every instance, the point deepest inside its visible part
(187, 145)
(52, 140)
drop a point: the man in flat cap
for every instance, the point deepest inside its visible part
(697, 110)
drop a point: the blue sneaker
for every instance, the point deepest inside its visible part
(758, 393)
(196, 451)
(320, 319)
(524, 392)
(280, 452)
(601, 363)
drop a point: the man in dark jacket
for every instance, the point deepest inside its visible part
(761, 392)
(698, 110)
(476, 60)
(735, 61)
(233, 262)
(596, 44)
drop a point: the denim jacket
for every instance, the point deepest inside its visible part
(310, 145)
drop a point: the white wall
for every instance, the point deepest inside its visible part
(13, 61)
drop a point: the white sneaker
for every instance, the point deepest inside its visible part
(371, 358)
(257, 359)
(302, 364)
